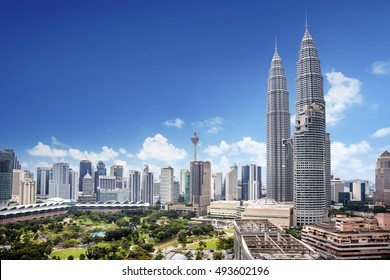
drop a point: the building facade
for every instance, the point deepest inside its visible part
(101, 170)
(85, 167)
(44, 175)
(59, 185)
(166, 185)
(147, 185)
(135, 185)
(279, 148)
(117, 171)
(382, 180)
(231, 183)
(200, 186)
(217, 186)
(6, 167)
(311, 143)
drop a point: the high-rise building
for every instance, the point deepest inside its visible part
(176, 191)
(44, 175)
(382, 180)
(100, 171)
(74, 184)
(6, 167)
(244, 182)
(88, 185)
(24, 188)
(336, 187)
(59, 185)
(217, 185)
(107, 183)
(357, 189)
(16, 163)
(311, 143)
(147, 185)
(117, 171)
(135, 185)
(232, 183)
(85, 167)
(254, 183)
(200, 186)
(166, 185)
(279, 147)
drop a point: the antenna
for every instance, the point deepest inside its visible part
(307, 26)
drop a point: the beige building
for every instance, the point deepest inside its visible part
(382, 180)
(336, 186)
(265, 208)
(350, 237)
(263, 240)
(24, 188)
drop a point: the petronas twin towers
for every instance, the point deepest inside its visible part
(298, 167)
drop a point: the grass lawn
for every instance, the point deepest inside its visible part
(209, 244)
(230, 230)
(64, 253)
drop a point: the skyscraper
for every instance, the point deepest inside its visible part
(217, 185)
(311, 144)
(117, 171)
(59, 185)
(74, 184)
(135, 185)
(44, 175)
(279, 148)
(232, 183)
(6, 166)
(382, 180)
(88, 185)
(147, 185)
(166, 185)
(200, 186)
(85, 167)
(100, 171)
(16, 163)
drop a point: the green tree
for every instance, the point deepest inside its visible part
(199, 254)
(70, 257)
(218, 255)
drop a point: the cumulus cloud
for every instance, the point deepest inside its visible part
(176, 123)
(382, 132)
(56, 142)
(248, 146)
(212, 125)
(343, 93)
(44, 150)
(158, 148)
(380, 67)
(345, 159)
(105, 154)
(122, 151)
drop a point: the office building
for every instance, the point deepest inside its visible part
(44, 175)
(88, 185)
(100, 171)
(135, 185)
(85, 167)
(74, 184)
(279, 145)
(350, 238)
(6, 167)
(311, 143)
(24, 188)
(231, 183)
(59, 185)
(117, 171)
(147, 185)
(16, 164)
(382, 180)
(200, 186)
(217, 186)
(166, 185)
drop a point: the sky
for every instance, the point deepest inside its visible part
(129, 82)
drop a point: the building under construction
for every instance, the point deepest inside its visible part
(263, 240)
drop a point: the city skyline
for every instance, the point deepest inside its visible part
(129, 84)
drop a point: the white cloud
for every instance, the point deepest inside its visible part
(382, 132)
(176, 122)
(346, 162)
(24, 164)
(212, 125)
(56, 142)
(223, 147)
(343, 93)
(122, 151)
(380, 67)
(105, 154)
(158, 148)
(248, 146)
(44, 150)
(222, 166)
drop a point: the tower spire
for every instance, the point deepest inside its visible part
(276, 44)
(307, 25)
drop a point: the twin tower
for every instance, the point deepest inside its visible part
(298, 166)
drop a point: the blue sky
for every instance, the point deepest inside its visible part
(128, 82)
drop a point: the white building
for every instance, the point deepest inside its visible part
(135, 185)
(59, 185)
(217, 185)
(166, 185)
(232, 183)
